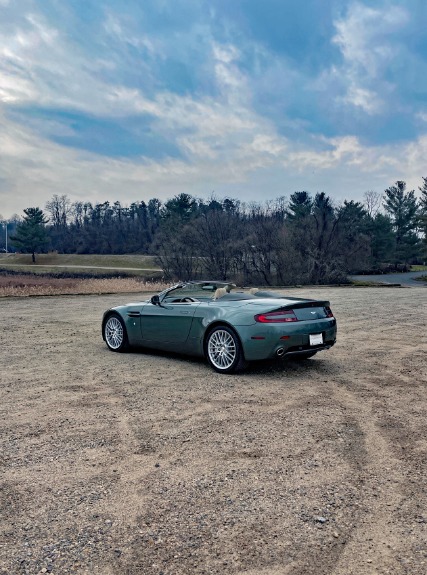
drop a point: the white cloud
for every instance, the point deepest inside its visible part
(369, 42)
(117, 29)
(366, 37)
(41, 68)
(225, 144)
(363, 98)
(232, 83)
(40, 65)
(422, 116)
(343, 151)
(225, 53)
(33, 169)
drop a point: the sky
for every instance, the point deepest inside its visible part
(110, 100)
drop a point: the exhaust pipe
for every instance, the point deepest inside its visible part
(280, 352)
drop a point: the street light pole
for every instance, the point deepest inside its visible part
(6, 235)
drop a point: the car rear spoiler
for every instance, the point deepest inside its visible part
(298, 302)
(307, 303)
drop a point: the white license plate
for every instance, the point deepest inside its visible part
(316, 339)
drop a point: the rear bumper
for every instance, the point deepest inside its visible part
(302, 350)
(262, 341)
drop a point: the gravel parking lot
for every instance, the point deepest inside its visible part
(149, 463)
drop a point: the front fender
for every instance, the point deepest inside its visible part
(132, 320)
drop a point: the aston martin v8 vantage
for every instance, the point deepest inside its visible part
(229, 327)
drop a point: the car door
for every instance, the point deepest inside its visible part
(169, 323)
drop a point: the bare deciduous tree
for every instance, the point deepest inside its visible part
(372, 202)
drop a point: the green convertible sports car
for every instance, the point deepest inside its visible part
(228, 326)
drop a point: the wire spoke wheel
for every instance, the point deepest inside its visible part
(114, 333)
(223, 350)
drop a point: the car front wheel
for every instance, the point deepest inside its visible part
(115, 334)
(224, 351)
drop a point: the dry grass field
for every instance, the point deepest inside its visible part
(151, 463)
(83, 260)
(18, 285)
(140, 266)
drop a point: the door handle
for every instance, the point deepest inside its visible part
(184, 312)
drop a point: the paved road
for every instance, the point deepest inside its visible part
(405, 279)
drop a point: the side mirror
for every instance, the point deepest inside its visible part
(155, 300)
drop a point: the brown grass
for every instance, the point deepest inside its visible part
(135, 261)
(25, 285)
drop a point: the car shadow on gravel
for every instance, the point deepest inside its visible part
(317, 365)
(300, 367)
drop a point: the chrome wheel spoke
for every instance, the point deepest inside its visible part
(222, 349)
(114, 333)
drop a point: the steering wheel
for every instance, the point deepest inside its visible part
(187, 299)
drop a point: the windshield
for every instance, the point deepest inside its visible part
(202, 291)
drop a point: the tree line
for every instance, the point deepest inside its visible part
(306, 239)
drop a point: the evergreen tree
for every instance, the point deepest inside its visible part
(300, 205)
(403, 209)
(423, 215)
(181, 208)
(354, 241)
(383, 240)
(31, 235)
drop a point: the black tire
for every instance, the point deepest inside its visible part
(115, 335)
(224, 351)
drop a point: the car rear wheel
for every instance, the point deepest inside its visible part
(224, 350)
(115, 333)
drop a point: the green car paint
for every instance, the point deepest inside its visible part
(230, 327)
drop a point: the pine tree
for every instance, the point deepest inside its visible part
(300, 205)
(423, 215)
(31, 235)
(403, 209)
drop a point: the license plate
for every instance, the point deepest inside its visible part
(316, 339)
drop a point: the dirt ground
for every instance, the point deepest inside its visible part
(148, 463)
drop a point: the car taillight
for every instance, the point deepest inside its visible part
(279, 316)
(329, 312)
